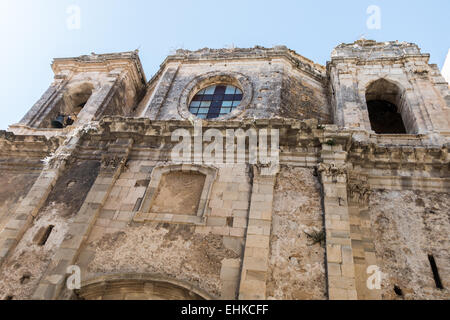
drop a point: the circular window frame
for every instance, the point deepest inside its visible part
(216, 78)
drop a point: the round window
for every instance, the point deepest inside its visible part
(215, 101)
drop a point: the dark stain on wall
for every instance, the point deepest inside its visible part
(15, 188)
(72, 186)
(300, 101)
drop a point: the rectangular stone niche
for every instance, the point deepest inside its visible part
(177, 194)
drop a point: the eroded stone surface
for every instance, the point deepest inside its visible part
(296, 268)
(250, 237)
(31, 259)
(408, 226)
(14, 189)
(179, 193)
(170, 250)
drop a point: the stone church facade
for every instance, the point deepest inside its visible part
(357, 208)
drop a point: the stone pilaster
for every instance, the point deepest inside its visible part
(361, 235)
(99, 101)
(161, 92)
(27, 210)
(256, 254)
(113, 162)
(51, 96)
(339, 251)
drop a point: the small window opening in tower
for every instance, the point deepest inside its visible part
(61, 121)
(434, 269)
(78, 108)
(75, 100)
(45, 235)
(383, 101)
(398, 291)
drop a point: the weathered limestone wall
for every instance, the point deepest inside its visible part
(272, 74)
(297, 264)
(304, 98)
(123, 100)
(265, 77)
(179, 193)
(172, 250)
(15, 186)
(21, 273)
(206, 255)
(407, 227)
(112, 202)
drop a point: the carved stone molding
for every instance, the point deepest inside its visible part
(333, 170)
(359, 192)
(267, 169)
(112, 161)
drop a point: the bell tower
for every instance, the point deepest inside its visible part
(387, 88)
(84, 89)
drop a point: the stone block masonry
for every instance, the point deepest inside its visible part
(348, 212)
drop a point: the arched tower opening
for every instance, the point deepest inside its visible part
(74, 100)
(77, 98)
(384, 103)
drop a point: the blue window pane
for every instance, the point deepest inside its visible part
(207, 97)
(210, 90)
(215, 101)
(220, 89)
(230, 90)
(214, 110)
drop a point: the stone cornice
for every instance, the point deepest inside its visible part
(292, 132)
(361, 149)
(9, 139)
(25, 151)
(315, 70)
(366, 51)
(103, 62)
(371, 155)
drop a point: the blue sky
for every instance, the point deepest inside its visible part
(33, 32)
